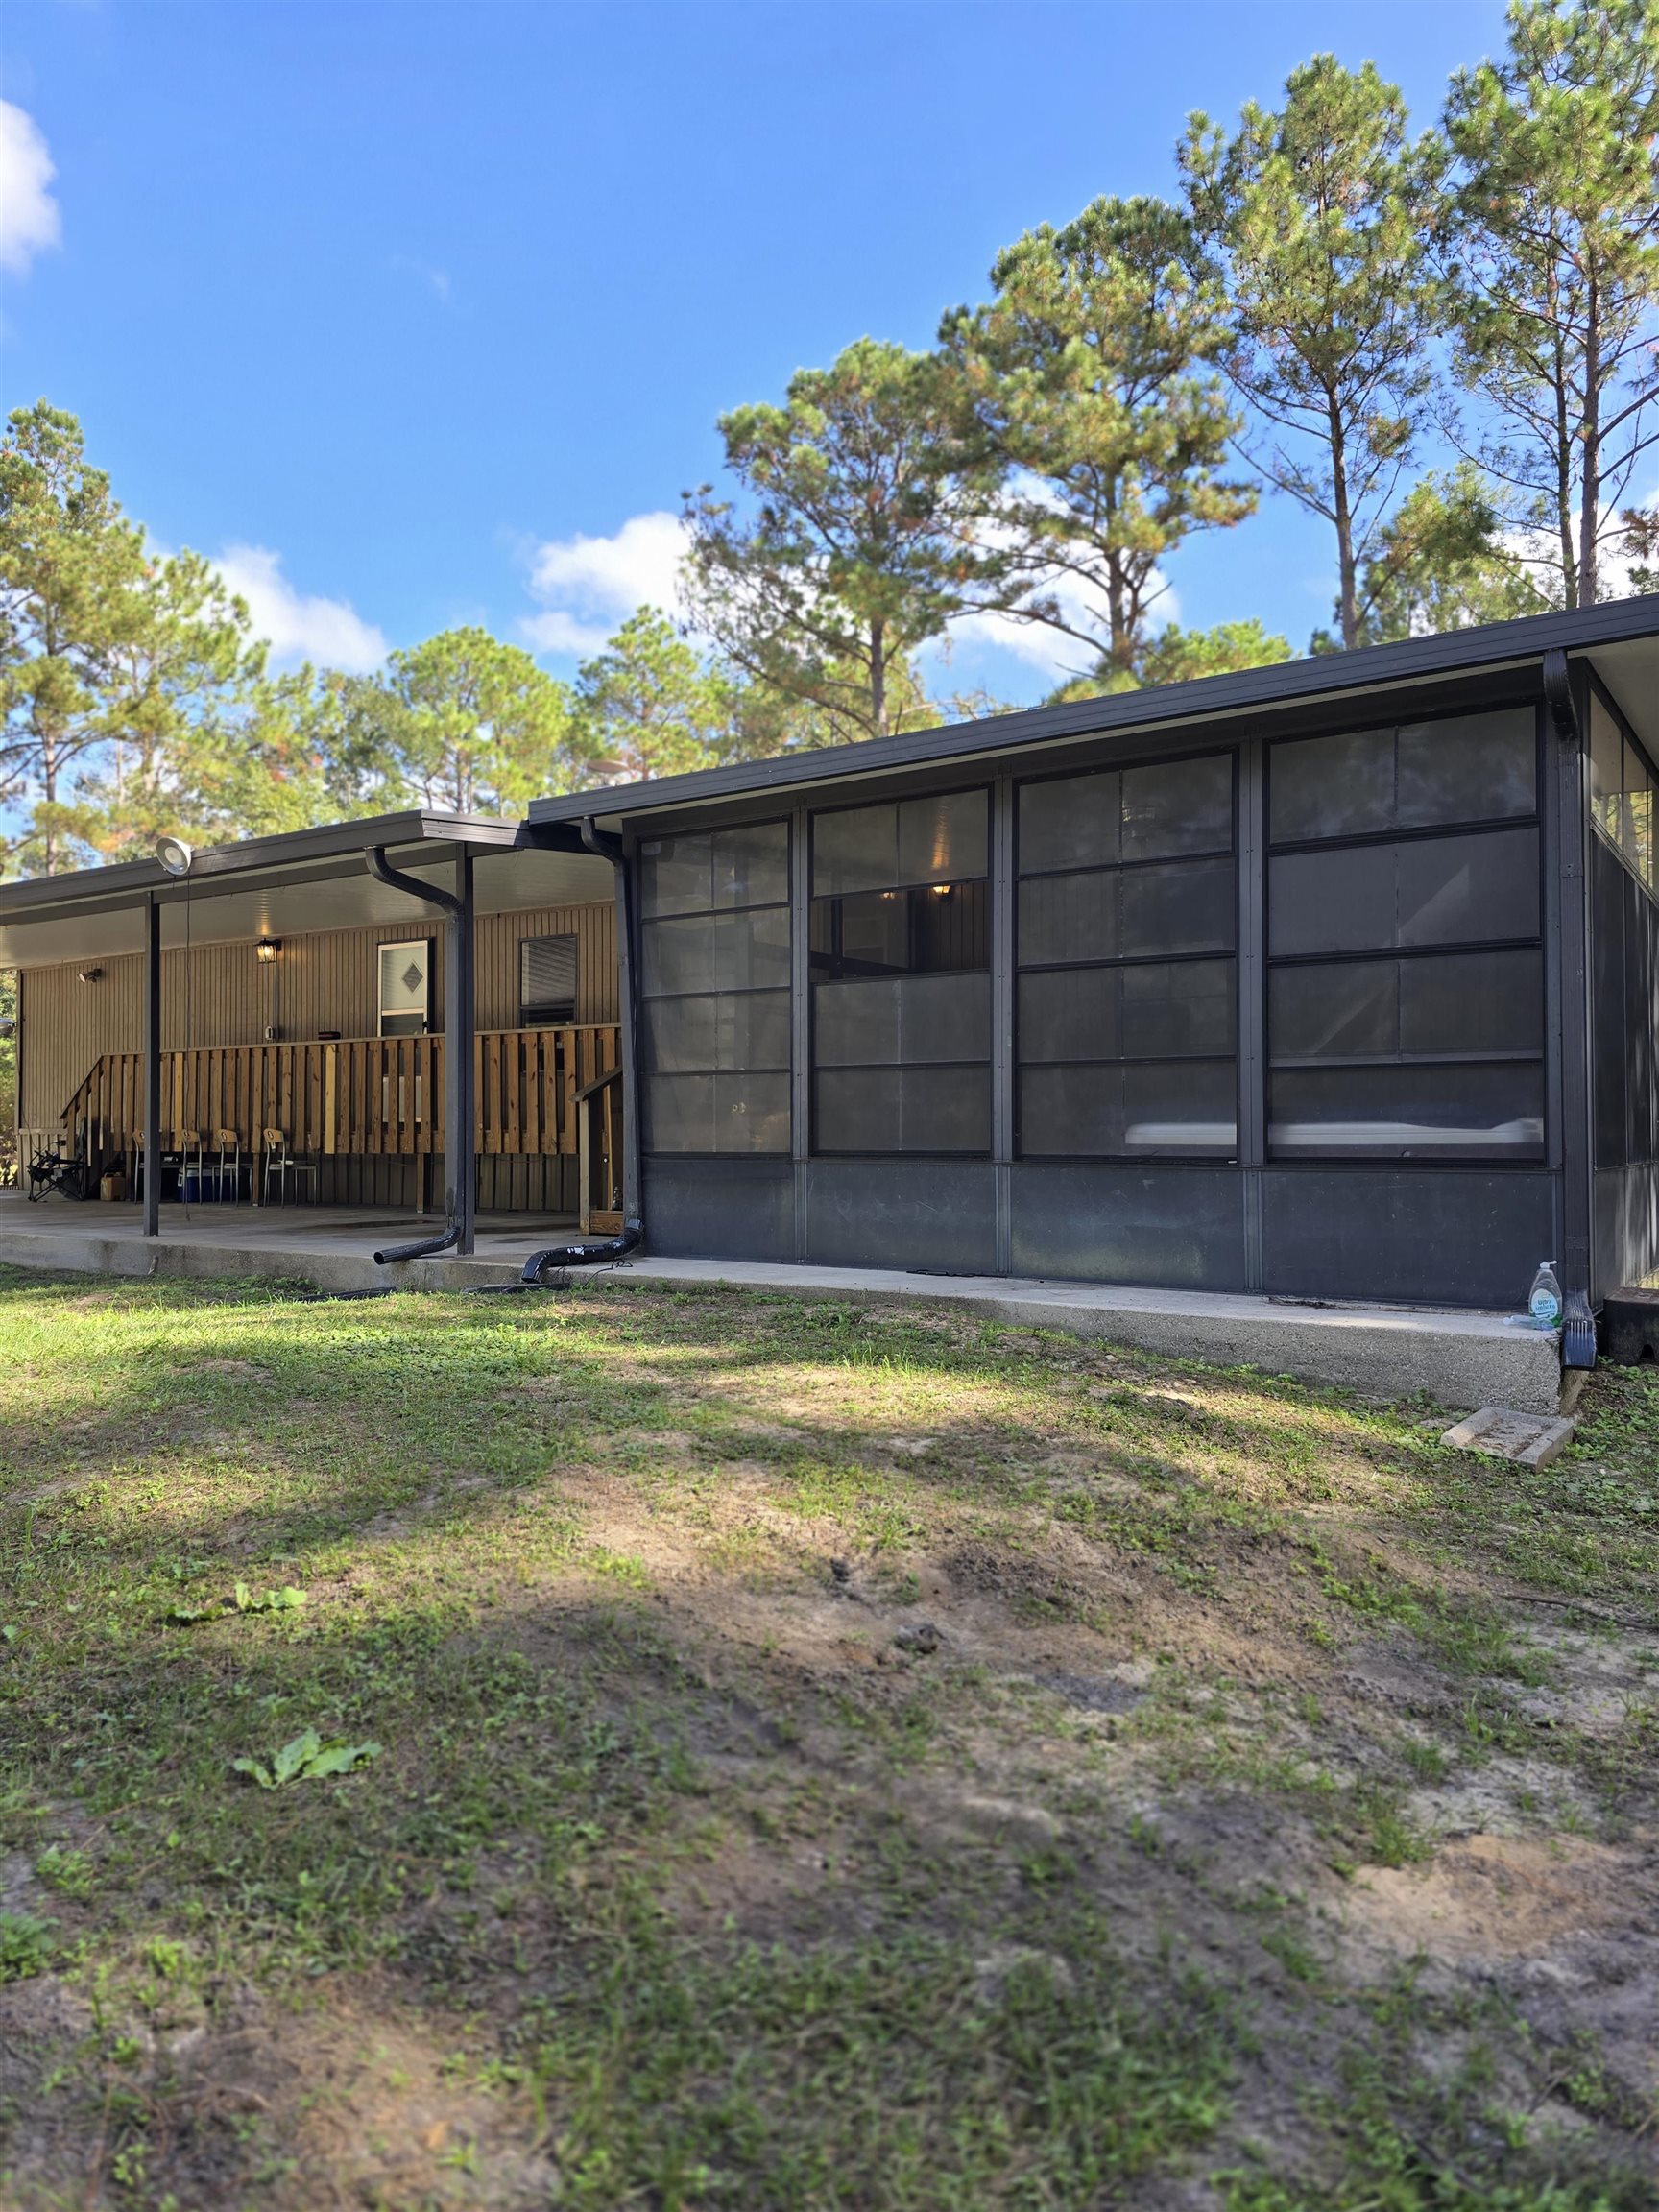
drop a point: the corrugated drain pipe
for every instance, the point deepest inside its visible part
(584, 1254)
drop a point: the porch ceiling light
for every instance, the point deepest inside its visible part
(267, 950)
(175, 856)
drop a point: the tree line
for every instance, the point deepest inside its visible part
(1328, 299)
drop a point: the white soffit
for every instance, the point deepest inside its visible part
(1630, 671)
(329, 895)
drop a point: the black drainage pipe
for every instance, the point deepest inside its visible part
(423, 1250)
(584, 1254)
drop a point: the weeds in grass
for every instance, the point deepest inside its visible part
(725, 1900)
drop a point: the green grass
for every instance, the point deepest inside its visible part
(676, 1880)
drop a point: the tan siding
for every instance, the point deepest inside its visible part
(595, 928)
(220, 995)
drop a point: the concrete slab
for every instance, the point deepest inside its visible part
(1459, 1359)
(332, 1246)
(1500, 1433)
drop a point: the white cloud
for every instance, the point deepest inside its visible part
(1541, 549)
(437, 280)
(298, 627)
(1052, 653)
(588, 586)
(29, 222)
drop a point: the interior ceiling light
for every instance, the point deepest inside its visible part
(175, 856)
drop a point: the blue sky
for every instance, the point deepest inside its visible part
(422, 314)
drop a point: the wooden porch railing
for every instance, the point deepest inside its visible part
(363, 1096)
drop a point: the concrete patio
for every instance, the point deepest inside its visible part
(1459, 1359)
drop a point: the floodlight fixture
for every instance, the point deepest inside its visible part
(175, 856)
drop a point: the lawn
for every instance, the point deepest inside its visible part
(775, 1753)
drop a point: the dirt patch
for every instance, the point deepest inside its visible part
(1500, 1897)
(347, 2099)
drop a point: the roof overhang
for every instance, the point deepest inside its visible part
(1621, 641)
(284, 886)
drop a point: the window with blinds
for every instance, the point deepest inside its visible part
(546, 980)
(1126, 989)
(1405, 982)
(715, 990)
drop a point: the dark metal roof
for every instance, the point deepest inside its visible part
(1370, 669)
(340, 842)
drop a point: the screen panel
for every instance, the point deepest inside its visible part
(899, 956)
(1447, 890)
(714, 984)
(1126, 994)
(1436, 1050)
(1452, 1112)
(1456, 769)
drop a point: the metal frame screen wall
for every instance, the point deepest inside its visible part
(1406, 980)
(1625, 936)
(901, 966)
(1623, 793)
(1127, 989)
(715, 990)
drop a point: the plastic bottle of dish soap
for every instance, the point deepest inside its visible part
(1544, 1301)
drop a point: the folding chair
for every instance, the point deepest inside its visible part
(192, 1168)
(229, 1142)
(282, 1163)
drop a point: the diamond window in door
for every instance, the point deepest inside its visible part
(406, 988)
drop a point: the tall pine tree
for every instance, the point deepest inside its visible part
(1318, 217)
(1553, 255)
(861, 536)
(1090, 373)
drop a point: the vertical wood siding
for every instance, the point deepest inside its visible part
(327, 980)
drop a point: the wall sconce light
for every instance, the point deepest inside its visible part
(92, 975)
(941, 890)
(267, 950)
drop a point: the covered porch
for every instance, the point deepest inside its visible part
(409, 1020)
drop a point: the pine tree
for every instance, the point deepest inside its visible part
(461, 722)
(1553, 255)
(1177, 656)
(1090, 373)
(648, 706)
(1444, 561)
(862, 539)
(73, 573)
(1319, 218)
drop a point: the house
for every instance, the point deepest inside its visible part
(1333, 981)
